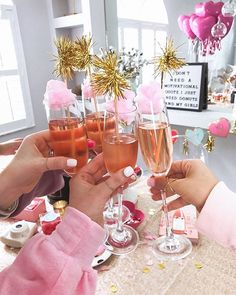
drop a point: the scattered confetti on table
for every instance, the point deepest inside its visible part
(113, 288)
(198, 265)
(161, 266)
(146, 270)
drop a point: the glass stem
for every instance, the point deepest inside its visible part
(120, 212)
(169, 232)
(110, 205)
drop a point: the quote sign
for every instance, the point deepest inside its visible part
(186, 88)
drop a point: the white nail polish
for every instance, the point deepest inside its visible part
(71, 162)
(128, 171)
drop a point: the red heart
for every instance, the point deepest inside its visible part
(174, 134)
(220, 127)
(137, 216)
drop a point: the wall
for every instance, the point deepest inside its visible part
(35, 34)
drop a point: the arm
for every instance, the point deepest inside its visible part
(57, 264)
(217, 218)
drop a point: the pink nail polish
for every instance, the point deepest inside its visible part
(151, 182)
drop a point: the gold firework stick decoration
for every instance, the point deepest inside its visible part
(83, 48)
(108, 79)
(65, 58)
(168, 61)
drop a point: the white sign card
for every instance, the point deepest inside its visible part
(186, 88)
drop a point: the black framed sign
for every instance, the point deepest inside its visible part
(186, 89)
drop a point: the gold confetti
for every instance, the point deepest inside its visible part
(198, 265)
(168, 61)
(146, 270)
(161, 266)
(113, 288)
(108, 79)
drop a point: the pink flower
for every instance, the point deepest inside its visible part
(124, 106)
(87, 89)
(149, 98)
(57, 95)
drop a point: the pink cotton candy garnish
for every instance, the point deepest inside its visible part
(57, 95)
(87, 89)
(124, 106)
(149, 98)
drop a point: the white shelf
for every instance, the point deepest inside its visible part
(69, 21)
(201, 119)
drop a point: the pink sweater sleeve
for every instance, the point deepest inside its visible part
(217, 219)
(59, 264)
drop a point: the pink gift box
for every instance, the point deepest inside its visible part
(32, 211)
(183, 222)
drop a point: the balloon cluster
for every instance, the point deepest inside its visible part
(207, 26)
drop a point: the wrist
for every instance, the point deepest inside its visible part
(8, 193)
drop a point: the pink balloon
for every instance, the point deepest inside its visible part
(210, 8)
(181, 18)
(187, 29)
(218, 7)
(191, 19)
(227, 20)
(201, 26)
(204, 9)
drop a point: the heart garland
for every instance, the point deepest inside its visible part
(219, 128)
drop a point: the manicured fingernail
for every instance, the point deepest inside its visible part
(151, 182)
(91, 143)
(71, 162)
(128, 171)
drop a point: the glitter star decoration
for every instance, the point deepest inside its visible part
(107, 78)
(168, 61)
(65, 58)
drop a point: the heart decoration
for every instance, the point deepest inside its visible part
(137, 216)
(187, 29)
(174, 134)
(204, 8)
(227, 20)
(181, 18)
(220, 127)
(195, 136)
(209, 8)
(201, 26)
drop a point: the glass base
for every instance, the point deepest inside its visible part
(172, 249)
(120, 243)
(111, 216)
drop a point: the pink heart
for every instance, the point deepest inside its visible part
(174, 134)
(210, 8)
(218, 7)
(181, 18)
(220, 127)
(187, 29)
(205, 8)
(201, 26)
(191, 19)
(227, 20)
(137, 216)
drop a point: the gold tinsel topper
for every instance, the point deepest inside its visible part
(108, 79)
(168, 60)
(65, 58)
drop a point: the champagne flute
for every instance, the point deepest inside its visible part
(120, 148)
(68, 134)
(155, 140)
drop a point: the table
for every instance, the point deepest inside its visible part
(140, 273)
